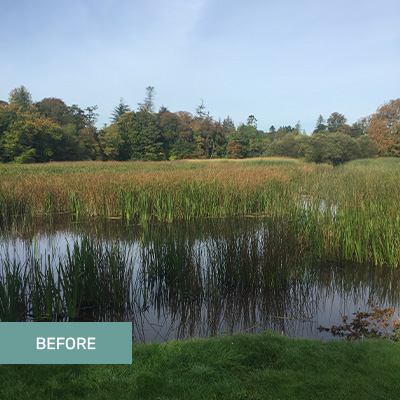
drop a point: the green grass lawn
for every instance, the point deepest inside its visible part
(265, 366)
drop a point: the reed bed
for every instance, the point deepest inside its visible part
(179, 270)
(91, 282)
(348, 213)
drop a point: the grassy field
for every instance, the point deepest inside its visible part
(265, 366)
(344, 213)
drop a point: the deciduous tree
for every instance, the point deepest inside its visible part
(384, 128)
(335, 121)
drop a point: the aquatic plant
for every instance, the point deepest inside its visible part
(13, 285)
(347, 213)
(377, 323)
(90, 280)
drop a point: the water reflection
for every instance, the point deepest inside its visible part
(206, 277)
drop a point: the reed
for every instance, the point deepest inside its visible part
(90, 281)
(45, 294)
(346, 213)
(13, 285)
(225, 265)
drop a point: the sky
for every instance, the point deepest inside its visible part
(282, 61)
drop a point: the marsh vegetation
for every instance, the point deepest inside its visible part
(197, 248)
(344, 213)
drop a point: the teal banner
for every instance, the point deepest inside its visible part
(65, 343)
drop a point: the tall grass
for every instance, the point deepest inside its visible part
(89, 282)
(345, 213)
(12, 293)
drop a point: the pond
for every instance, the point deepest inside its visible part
(197, 278)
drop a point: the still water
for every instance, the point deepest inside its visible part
(214, 276)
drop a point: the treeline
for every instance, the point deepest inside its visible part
(49, 130)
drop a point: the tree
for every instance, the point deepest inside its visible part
(360, 128)
(335, 121)
(77, 117)
(390, 113)
(32, 138)
(201, 111)
(289, 146)
(334, 148)
(271, 133)
(141, 133)
(321, 125)
(21, 98)
(252, 121)
(121, 109)
(345, 128)
(55, 109)
(126, 125)
(228, 124)
(209, 137)
(384, 128)
(297, 129)
(234, 150)
(91, 115)
(163, 109)
(8, 115)
(368, 148)
(184, 144)
(282, 131)
(148, 103)
(111, 143)
(228, 127)
(167, 123)
(247, 141)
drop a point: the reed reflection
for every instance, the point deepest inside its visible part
(200, 278)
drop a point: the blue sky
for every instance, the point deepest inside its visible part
(282, 61)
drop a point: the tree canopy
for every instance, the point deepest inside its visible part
(50, 130)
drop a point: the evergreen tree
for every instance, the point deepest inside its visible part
(20, 97)
(119, 110)
(320, 126)
(148, 103)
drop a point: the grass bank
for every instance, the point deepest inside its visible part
(265, 366)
